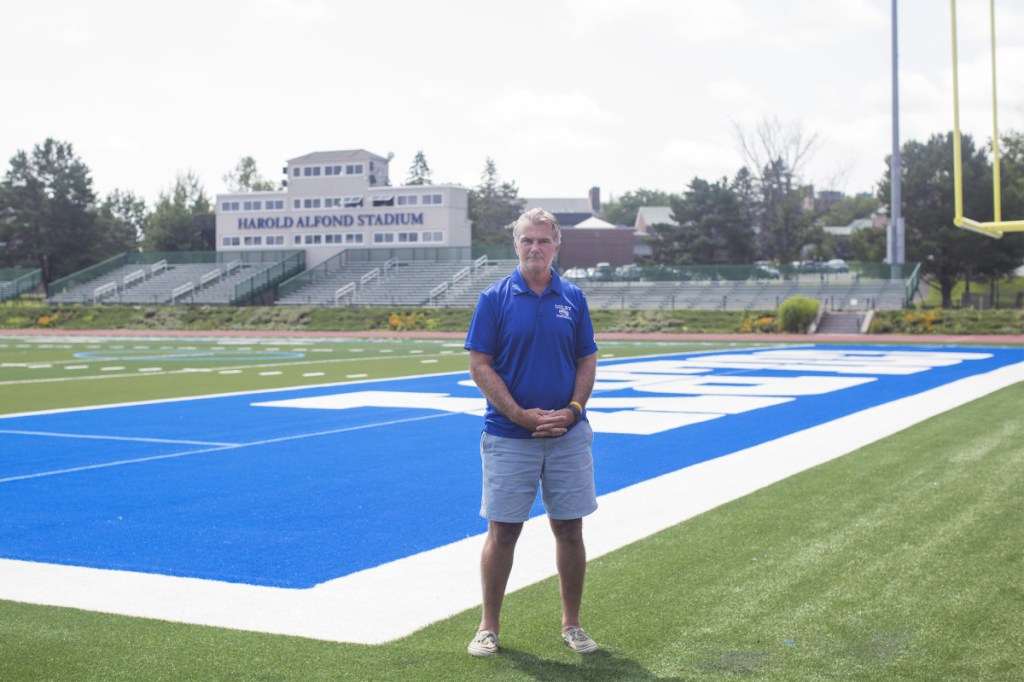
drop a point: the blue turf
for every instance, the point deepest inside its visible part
(229, 500)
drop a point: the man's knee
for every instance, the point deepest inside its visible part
(504, 534)
(569, 531)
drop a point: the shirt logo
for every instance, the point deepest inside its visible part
(563, 312)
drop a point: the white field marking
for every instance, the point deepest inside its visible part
(187, 370)
(230, 371)
(76, 367)
(270, 374)
(313, 374)
(40, 366)
(427, 362)
(356, 376)
(441, 582)
(229, 394)
(219, 447)
(115, 368)
(131, 439)
(151, 369)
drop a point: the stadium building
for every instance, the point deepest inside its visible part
(340, 200)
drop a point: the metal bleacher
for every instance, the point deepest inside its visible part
(223, 278)
(837, 293)
(458, 283)
(446, 284)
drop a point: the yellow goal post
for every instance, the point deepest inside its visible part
(997, 227)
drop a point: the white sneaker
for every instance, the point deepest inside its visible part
(484, 644)
(578, 640)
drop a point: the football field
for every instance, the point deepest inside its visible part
(328, 488)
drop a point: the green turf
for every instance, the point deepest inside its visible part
(901, 561)
(40, 374)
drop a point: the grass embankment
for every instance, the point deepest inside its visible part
(319, 319)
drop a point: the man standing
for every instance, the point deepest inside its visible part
(533, 356)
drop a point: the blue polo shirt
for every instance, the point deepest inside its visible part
(535, 342)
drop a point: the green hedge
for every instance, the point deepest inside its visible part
(797, 313)
(39, 315)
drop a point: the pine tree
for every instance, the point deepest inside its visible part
(419, 171)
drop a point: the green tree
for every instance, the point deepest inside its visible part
(47, 211)
(493, 207)
(949, 254)
(744, 185)
(777, 153)
(122, 217)
(868, 245)
(787, 225)
(419, 171)
(1011, 172)
(622, 211)
(712, 228)
(848, 209)
(246, 178)
(174, 223)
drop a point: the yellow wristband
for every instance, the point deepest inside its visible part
(577, 409)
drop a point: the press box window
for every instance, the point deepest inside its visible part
(229, 206)
(384, 201)
(410, 200)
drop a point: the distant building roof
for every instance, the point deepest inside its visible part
(647, 216)
(339, 155)
(847, 230)
(560, 205)
(655, 215)
(595, 223)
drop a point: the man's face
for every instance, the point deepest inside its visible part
(536, 248)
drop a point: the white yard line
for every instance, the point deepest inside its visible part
(441, 582)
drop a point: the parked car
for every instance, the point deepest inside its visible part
(575, 273)
(765, 270)
(837, 265)
(627, 273)
(602, 272)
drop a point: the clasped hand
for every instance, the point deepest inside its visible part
(548, 423)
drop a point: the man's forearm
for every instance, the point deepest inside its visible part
(494, 389)
(586, 373)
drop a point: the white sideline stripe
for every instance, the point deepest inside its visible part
(92, 436)
(439, 583)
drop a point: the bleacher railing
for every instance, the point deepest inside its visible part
(804, 272)
(286, 261)
(335, 262)
(17, 281)
(292, 263)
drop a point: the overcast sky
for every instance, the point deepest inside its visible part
(562, 94)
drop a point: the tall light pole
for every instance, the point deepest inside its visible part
(895, 236)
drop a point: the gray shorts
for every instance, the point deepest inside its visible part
(513, 467)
